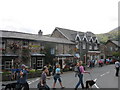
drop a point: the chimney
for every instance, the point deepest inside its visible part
(40, 32)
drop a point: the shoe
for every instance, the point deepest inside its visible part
(62, 87)
(54, 88)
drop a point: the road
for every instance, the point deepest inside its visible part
(105, 77)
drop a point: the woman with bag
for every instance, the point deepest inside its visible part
(80, 75)
(42, 84)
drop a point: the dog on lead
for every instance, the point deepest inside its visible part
(90, 83)
(11, 86)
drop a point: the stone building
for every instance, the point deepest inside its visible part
(112, 47)
(29, 49)
(86, 43)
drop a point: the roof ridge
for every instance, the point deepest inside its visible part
(18, 32)
(67, 29)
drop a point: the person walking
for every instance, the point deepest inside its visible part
(57, 76)
(80, 75)
(42, 84)
(22, 78)
(117, 66)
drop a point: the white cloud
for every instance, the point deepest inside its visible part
(31, 15)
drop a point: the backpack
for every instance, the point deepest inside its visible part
(79, 72)
(76, 69)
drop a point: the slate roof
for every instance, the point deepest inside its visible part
(28, 36)
(71, 34)
(116, 43)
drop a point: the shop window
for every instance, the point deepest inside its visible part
(40, 63)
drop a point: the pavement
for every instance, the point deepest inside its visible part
(104, 76)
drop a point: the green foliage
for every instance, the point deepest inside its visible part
(35, 71)
(116, 54)
(25, 54)
(6, 73)
(112, 35)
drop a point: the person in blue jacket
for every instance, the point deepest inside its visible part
(22, 77)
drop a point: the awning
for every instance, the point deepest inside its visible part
(64, 55)
(9, 55)
(37, 54)
(97, 52)
(77, 55)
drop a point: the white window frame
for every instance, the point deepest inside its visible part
(95, 47)
(90, 47)
(9, 64)
(41, 63)
(111, 48)
(84, 46)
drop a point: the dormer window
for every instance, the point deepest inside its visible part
(91, 40)
(96, 40)
(85, 38)
(77, 38)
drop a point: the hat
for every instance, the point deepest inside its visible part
(23, 65)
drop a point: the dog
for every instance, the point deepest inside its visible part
(10, 86)
(90, 83)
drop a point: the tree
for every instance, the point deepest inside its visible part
(48, 55)
(25, 55)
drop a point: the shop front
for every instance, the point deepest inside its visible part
(64, 60)
(9, 60)
(37, 61)
(93, 55)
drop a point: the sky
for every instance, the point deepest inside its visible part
(30, 16)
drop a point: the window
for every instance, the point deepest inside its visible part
(25, 43)
(40, 63)
(77, 46)
(3, 45)
(90, 47)
(95, 47)
(84, 46)
(8, 64)
(111, 48)
(116, 49)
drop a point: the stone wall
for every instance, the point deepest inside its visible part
(57, 34)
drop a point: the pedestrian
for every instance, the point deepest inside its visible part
(22, 78)
(13, 71)
(117, 66)
(57, 76)
(80, 75)
(50, 69)
(42, 84)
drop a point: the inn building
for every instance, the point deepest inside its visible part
(65, 45)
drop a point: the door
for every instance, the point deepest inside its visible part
(39, 62)
(60, 62)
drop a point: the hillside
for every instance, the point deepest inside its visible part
(112, 35)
